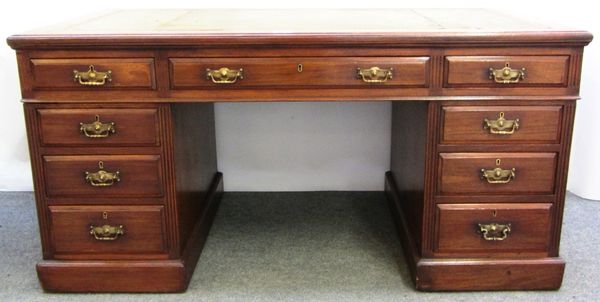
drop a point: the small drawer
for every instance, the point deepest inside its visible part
(107, 229)
(497, 173)
(506, 71)
(501, 124)
(189, 73)
(493, 228)
(93, 73)
(99, 127)
(103, 176)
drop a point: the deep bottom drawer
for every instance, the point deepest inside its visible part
(107, 229)
(493, 228)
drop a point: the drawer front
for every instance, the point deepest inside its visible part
(493, 228)
(461, 173)
(103, 176)
(125, 73)
(501, 124)
(550, 70)
(129, 229)
(189, 73)
(99, 127)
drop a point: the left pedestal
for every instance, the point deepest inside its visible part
(125, 194)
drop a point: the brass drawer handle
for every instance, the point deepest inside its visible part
(106, 232)
(97, 129)
(224, 75)
(102, 178)
(507, 75)
(494, 231)
(374, 74)
(92, 77)
(501, 125)
(498, 175)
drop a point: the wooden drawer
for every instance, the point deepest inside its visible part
(474, 71)
(459, 231)
(138, 175)
(189, 73)
(501, 124)
(125, 73)
(116, 127)
(460, 173)
(135, 229)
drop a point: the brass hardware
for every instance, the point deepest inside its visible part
(494, 213)
(374, 74)
(498, 161)
(97, 129)
(102, 178)
(507, 75)
(106, 232)
(501, 125)
(224, 75)
(92, 77)
(300, 67)
(104, 215)
(494, 231)
(498, 175)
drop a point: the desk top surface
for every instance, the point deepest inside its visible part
(285, 26)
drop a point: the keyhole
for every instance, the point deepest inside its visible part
(101, 165)
(498, 162)
(105, 215)
(300, 67)
(494, 213)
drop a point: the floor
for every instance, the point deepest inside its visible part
(309, 246)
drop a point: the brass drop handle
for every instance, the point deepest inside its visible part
(501, 125)
(224, 75)
(106, 232)
(102, 178)
(97, 129)
(507, 75)
(494, 231)
(374, 74)
(92, 77)
(498, 175)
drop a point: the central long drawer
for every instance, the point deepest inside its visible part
(189, 73)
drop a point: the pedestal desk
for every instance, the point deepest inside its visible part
(120, 124)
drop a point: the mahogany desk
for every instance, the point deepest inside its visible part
(120, 123)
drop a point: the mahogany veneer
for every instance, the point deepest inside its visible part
(482, 118)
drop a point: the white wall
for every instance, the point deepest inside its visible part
(301, 146)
